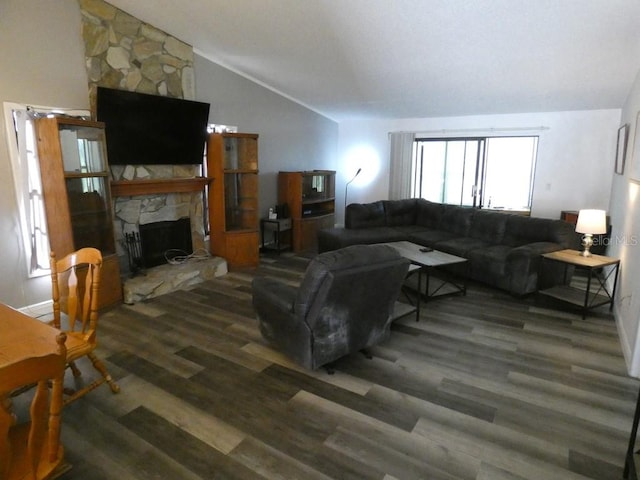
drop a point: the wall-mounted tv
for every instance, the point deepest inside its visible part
(146, 129)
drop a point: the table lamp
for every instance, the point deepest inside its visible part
(590, 222)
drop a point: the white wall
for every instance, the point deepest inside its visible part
(576, 154)
(41, 63)
(624, 209)
(292, 137)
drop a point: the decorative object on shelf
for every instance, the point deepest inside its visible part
(218, 128)
(346, 188)
(590, 222)
(621, 148)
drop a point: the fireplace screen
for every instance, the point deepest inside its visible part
(162, 241)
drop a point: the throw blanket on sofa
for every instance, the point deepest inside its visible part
(503, 249)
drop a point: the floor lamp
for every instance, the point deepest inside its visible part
(346, 189)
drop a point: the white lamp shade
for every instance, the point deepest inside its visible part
(592, 221)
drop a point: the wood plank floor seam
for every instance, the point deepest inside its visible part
(484, 387)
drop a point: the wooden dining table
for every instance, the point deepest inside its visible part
(26, 344)
(22, 336)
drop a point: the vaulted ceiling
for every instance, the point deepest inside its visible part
(417, 58)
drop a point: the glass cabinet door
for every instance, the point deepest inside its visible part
(240, 153)
(241, 201)
(83, 149)
(86, 180)
(90, 213)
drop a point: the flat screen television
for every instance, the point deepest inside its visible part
(146, 129)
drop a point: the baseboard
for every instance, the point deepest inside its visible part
(39, 310)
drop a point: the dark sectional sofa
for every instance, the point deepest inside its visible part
(503, 249)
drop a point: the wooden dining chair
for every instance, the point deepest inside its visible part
(75, 280)
(31, 449)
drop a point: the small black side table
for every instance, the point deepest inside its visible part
(278, 226)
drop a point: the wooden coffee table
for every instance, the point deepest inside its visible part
(427, 263)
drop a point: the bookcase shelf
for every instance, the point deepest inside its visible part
(310, 196)
(232, 163)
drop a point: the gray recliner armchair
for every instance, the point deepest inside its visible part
(344, 304)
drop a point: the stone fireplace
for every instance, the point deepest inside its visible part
(123, 52)
(142, 208)
(151, 194)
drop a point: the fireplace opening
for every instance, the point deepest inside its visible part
(161, 241)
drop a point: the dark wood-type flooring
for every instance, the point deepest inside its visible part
(485, 387)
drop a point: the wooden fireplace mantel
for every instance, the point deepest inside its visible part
(126, 188)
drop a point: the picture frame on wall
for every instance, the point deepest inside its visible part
(634, 173)
(621, 148)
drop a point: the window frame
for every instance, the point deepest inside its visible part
(482, 161)
(32, 220)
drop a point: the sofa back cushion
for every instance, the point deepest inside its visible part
(488, 226)
(522, 230)
(456, 219)
(349, 283)
(428, 214)
(365, 215)
(400, 212)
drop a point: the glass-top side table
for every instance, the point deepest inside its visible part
(589, 297)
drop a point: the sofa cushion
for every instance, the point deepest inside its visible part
(400, 212)
(522, 230)
(485, 263)
(460, 245)
(335, 238)
(430, 237)
(428, 214)
(488, 226)
(408, 230)
(365, 215)
(456, 219)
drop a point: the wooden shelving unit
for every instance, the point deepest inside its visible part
(310, 196)
(77, 196)
(232, 164)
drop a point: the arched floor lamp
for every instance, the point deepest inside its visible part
(346, 189)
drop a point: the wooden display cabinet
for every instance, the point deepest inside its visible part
(232, 163)
(75, 184)
(310, 196)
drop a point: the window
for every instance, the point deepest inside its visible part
(486, 172)
(26, 176)
(23, 152)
